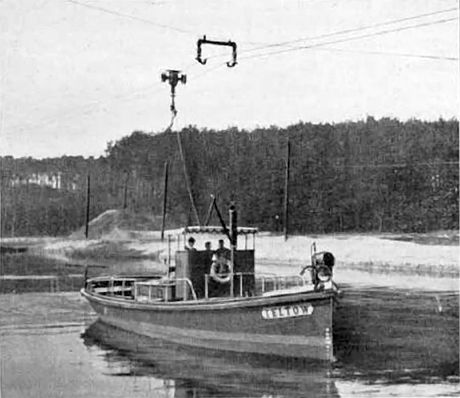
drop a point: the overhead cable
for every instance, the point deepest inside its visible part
(132, 17)
(320, 44)
(346, 31)
(347, 39)
(391, 54)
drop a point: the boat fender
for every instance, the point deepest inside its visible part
(216, 267)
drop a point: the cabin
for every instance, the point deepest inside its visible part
(195, 266)
(191, 278)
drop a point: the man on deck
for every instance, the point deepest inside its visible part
(191, 244)
(222, 251)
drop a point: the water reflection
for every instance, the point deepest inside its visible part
(397, 334)
(186, 372)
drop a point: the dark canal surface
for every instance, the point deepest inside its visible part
(390, 340)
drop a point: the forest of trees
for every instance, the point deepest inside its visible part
(372, 175)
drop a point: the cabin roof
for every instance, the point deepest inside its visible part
(217, 230)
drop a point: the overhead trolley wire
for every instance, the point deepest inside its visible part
(132, 17)
(290, 42)
(353, 38)
(347, 39)
(388, 53)
(350, 30)
(140, 19)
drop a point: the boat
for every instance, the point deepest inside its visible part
(220, 303)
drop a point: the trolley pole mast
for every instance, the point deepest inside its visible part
(173, 77)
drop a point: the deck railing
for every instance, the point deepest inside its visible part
(131, 287)
(262, 283)
(280, 282)
(111, 286)
(166, 287)
(148, 290)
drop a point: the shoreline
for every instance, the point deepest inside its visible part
(385, 253)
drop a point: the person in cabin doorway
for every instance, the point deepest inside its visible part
(222, 251)
(221, 270)
(191, 244)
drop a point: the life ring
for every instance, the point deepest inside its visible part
(324, 273)
(319, 274)
(221, 277)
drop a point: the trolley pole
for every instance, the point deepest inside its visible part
(173, 77)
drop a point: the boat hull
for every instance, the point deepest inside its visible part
(295, 325)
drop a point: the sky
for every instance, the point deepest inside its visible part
(77, 74)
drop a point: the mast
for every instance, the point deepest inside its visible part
(165, 198)
(286, 189)
(233, 240)
(125, 191)
(88, 195)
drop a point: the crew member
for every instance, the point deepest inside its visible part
(222, 251)
(191, 244)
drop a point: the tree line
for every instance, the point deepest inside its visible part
(370, 175)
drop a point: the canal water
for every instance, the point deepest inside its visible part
(391, 339)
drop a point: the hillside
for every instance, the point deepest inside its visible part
(366, 176)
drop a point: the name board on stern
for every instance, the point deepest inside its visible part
(287, 311)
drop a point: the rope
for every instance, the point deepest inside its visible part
(184, 164)
(173, 117)
(187, 178)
